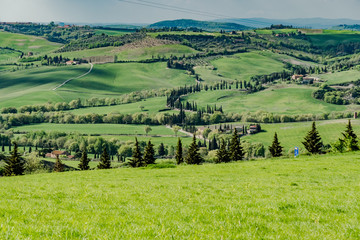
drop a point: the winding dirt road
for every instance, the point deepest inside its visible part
(83, 75)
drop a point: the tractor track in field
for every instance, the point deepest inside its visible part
(83, 75)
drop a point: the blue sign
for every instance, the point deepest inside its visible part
(296, 152)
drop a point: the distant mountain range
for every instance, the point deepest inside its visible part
(205, 25)
(315, 23)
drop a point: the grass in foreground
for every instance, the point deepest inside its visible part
(306, 198)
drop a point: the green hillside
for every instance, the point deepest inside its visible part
(27, 43)
(34, 86)
(286, 99)
(310, 197)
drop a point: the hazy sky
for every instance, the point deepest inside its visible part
(111, 11)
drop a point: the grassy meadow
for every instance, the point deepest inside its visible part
(281, 99)
(292, 134)
(34, 86)
(240, 66)
(306, 198)
(340, 77)
(103, 129)
(27, 43)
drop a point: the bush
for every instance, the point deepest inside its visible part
(161, 165)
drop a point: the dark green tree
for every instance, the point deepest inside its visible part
(136, 160)
(312, 142)
(193, 156)
(15, 165)
(179, 152)
(236, 150)
(105, 162)
(59, 166)
(149, 154)
(161, 150)
(275, 148)
(222, 155)
(350, 139)
(84, 161)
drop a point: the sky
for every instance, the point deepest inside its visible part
(140, 11)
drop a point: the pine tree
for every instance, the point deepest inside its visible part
(84, 161)
(350, 139)
(179, 152)
(236, 150)
(137, 160)
(15, 165)
(222, 154)
(312, 141)
(193, 156)
(149, 154)
(105, 162)
(276, 149)
(58, 167)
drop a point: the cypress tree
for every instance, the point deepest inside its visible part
(14, 164)
(312, 141)
(222, 154)
(137, 160)
(105, 162)
(236, 150)
(193, 156)
(350, 138)
(58, 167)
(161, 149)
(179, 152)
(149, 154)
(84, 161)
(276, 149)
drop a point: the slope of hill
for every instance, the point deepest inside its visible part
(189, 23)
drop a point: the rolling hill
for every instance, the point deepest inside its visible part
(205, 25)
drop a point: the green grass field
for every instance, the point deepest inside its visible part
(276, 31)
(103, 129)
(34, 86)
(241, 66)
(292, 134)
(306, 198)
(281, 99)
(132, 54)
(151, 106)
(27, 43)
(113, 32)
(340, 77)
(136, 54)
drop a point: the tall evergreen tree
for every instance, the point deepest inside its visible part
(275, 148)
(149, 154)
(136, 160)
(193, 156)
(15, 165)
(105, 162)
(84, 161)
(179, 152)
(222, 154)
(161, 150)
(350, 139)
(236, 150)
(59, 166)
(312, 141)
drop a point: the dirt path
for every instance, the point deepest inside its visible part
(83, 75)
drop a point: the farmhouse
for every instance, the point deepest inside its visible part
(56, 153)
(296, 77)
(71, 63)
